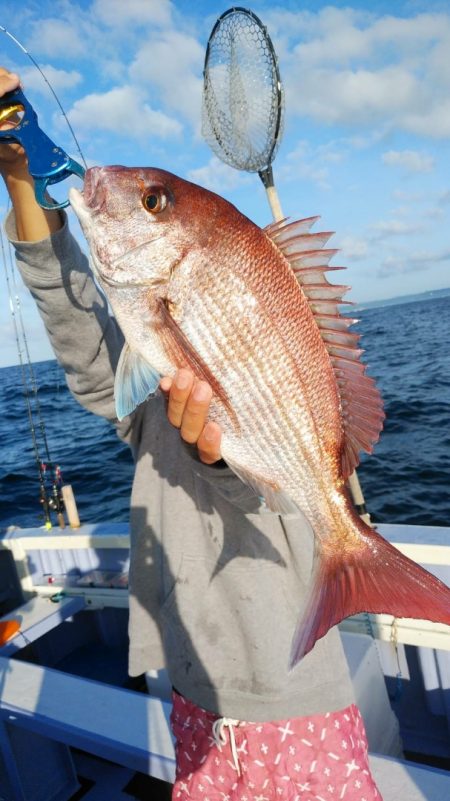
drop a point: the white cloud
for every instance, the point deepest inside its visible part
(353, 248)
(58, 37)
(217, 176)
(354, 68)
(395, 227)
(126, 12)
(305, 162)
(411, 262)
(409, 160)
(353, 97)
(172, 63)
(58, 79)
(110, 110)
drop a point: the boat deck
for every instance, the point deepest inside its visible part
(66, 698)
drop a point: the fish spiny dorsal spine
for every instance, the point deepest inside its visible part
(361, 404)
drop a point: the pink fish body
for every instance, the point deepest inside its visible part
(193, 282)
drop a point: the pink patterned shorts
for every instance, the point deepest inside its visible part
(316, 758)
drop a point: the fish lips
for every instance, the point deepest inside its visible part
(92, 198)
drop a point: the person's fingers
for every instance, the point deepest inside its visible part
(179, 393)
(8, 81)
(208, 443)
(165, 383)
(188, 408)
(196, 412)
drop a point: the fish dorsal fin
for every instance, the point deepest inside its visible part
(361, 404)
(135, 380)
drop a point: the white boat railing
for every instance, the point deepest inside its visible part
(427, 545)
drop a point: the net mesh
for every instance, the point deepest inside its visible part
(242, 115)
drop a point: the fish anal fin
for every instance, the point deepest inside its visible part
(377, 579)
(269, 492)
(309, 259)
(183, 354)
(135, 380)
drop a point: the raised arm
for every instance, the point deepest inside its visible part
(85, 338)
(32, 222)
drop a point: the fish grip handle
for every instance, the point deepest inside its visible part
(48, 164)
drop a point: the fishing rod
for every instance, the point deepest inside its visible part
(48, 164)
(243, 115)
(53, 501)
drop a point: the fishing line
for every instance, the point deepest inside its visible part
(55, 501)
(43, 490)
(29, 364)
(36, 65)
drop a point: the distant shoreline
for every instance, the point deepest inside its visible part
(432, 294)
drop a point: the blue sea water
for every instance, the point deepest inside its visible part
(406, 480)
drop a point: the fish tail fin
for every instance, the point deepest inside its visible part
(377, 578)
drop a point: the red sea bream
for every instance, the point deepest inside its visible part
(195, 283)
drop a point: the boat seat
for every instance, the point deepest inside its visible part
(131, 729)
(123, 726)
(398, 780)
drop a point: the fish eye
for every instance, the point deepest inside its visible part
(154, 200)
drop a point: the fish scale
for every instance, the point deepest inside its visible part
(194, 283)
(266, 427)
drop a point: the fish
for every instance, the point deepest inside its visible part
(195, 283)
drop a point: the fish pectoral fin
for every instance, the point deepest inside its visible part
(274, 498)
(135, 380)
(378, 579)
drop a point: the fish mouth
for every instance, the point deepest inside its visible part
(93, 196)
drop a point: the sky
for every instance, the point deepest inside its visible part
(366, 142)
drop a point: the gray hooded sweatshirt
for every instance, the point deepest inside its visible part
(216, 580)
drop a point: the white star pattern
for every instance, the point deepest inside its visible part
(351, 766)
(285, 730)
(330, 754)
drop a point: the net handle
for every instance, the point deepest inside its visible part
(271, 192)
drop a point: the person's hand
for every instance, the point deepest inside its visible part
(188, 406)
(12, 156)
(32, 222)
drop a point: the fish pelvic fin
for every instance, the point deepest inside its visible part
(361, 405)
(134, 381)
(378, 579)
